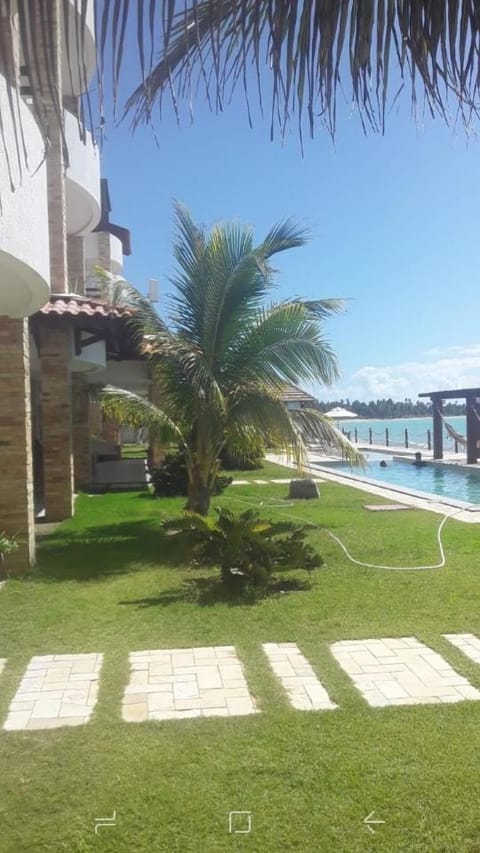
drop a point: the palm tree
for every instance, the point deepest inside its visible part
(221, 364)
(294, 54)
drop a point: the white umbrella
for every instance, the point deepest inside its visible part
(340, 414)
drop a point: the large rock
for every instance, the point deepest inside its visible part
(301, 489)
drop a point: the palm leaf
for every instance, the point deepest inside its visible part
(261, 412)
(129, 408)
(284, 344)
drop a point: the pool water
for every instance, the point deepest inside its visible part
(444, 482)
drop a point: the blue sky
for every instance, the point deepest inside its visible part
(394, 221)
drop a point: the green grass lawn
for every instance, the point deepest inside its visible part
(108, 581)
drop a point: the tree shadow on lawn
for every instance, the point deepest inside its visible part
(105, 550)
(208, 592)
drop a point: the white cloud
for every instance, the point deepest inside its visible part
(435, 370)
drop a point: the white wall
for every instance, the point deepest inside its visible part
(82, 180)
(24, 246)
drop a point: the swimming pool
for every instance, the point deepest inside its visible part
(444, 482)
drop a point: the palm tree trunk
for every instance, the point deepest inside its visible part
(199, 494)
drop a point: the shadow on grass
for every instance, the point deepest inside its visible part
(105, 550)
(207, 592)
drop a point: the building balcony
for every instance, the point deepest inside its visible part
(103, 250)
(77, 70)
(24, 244)
(116, 255)
(82, 180)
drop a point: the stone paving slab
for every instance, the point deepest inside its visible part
(304, 690)
(170, 684)
(56, 690)
(469, 644)
(2, 664)
(401, 671)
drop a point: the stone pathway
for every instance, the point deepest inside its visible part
(170, 684)
(56, 690)
(304, 690)
(401, 671)
(469, 644)
(209, 681)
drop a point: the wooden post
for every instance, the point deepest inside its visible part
(406, 438)
(387, 441)
(473, 431)
(370, 440)
(356, 436)
(429, 439)
(437, 407)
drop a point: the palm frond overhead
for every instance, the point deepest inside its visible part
(303, 53)
(295, 57)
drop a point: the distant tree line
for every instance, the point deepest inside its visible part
(391, 408)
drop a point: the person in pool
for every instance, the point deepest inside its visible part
(383, 464)
(419, 463)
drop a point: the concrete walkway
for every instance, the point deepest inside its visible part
(420, 500)
(209, 681)
(282, 482)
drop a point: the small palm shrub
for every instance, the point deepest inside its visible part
(247, 548)
(170, 478)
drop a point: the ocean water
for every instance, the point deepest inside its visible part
(417, 429)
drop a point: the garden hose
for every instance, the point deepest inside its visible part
(277, 503)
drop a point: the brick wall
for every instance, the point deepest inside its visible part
(55, 349)
(76, 264)
(16, 474)
(104, 255)
(55, 153)
(110, 430)
(81, 433)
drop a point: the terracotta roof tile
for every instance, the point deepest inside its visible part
(82, 306)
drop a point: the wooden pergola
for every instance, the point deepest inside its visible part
(472, 402)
